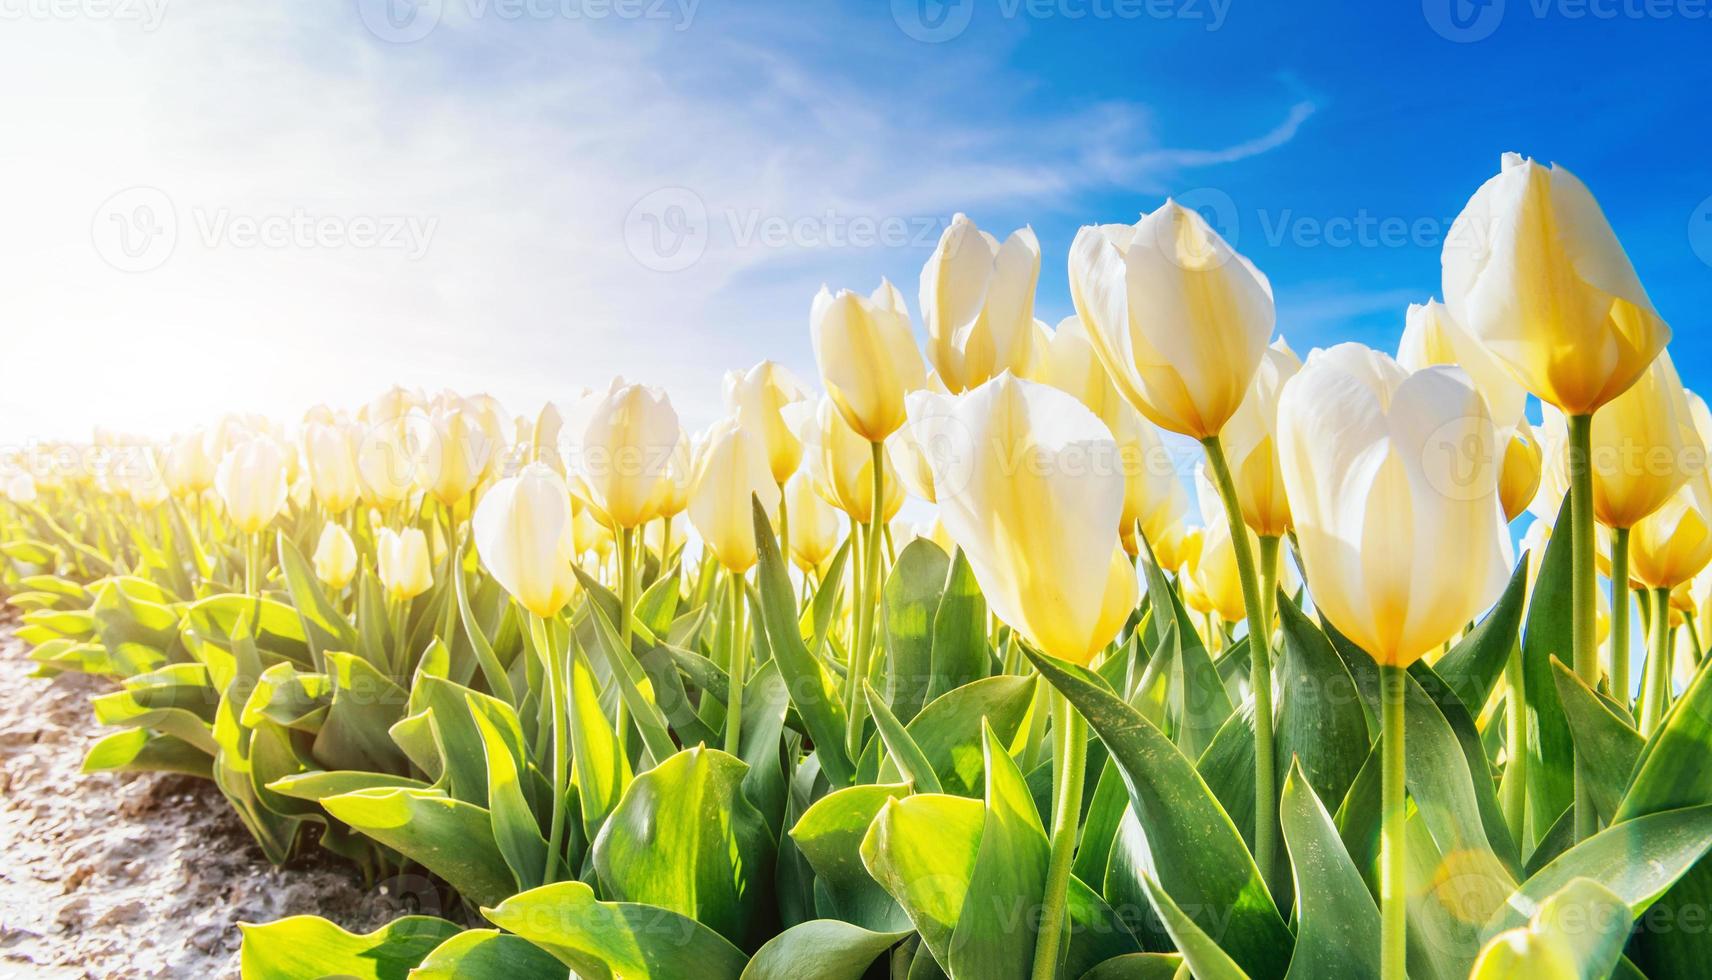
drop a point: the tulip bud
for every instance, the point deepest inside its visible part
(1521, 468)
(977, 302)
(1535, 273)
(1431, 336)
(1251, 445)
(754, 398)
(251, 482)
(623, 440)
(841, 462)
(731, 468)
(815, 527)
(525, 536)
(330, 452)
(188, 469)
(1178, 318)
(1041, 538)
(680, 480)
(867, 359)
(405, 569)
(454, 456)
(1382, 485)
(1067, 362)
(335, 557)
(1673, 544)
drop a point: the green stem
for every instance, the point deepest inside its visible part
(1260, 663)
(866, 599)
(1393, 899)
(784, 528)
(1269, 582)
(665, 543)
(1070, 747)
(556, 698)
(1620, 616)
(1515, 788)
(626, 630)
(252, 558)
(1655, 691)
(739, 665)
(1583, 597)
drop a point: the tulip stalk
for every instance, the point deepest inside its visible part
(866, 598)
(1070, 748)
(252, 558)
(627, 572)
(1514, 801)
(739, 665)
(1655, 693)
(1260, 662)
(1620, 616)
(1583, 596)
(1393, 935)
(556, 700)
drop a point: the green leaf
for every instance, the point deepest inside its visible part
(1578, 934)
(310, 946)
(488, 954)
(1672, 770)
(451, 838)
(821, 949)
(324, 627)
(811, 688)
(516, 830)
(922, 850)
(602, 769)
(1137, 966)
(1606, 744)
(608, 940)
(685, 838)
(1338, 924)
(905, 754)
(959, 630)
(909, 603)
(829, 834)
(1638, 859)
(948, 730)
(1321, 722)
(1200, 953)
(1200, 702)
(1473, 666)
(1196, 853)
(1551, 750)
(140, 750)
(365, 706)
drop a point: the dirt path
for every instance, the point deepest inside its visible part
(109, 876)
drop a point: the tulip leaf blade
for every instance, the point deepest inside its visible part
(905, 754)
(1546, 634)
(1473, 666)
(618, 939)
(310, 946)
(959, 630)
(1606, 745)
(821, 949)
(909, 603)
(1200, 953)
(1338, 930)
(1197, 854)
(488, 954)
(1672, 771)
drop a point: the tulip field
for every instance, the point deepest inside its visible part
(1213, 659)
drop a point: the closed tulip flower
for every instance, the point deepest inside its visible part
(680, 480)
(754, 398)
(454, 456)
(815, 527)
(330, 455)
(867, 359)
(1179, 319)
(622, 440)
(335, 557)
(1521, 469)
(977, 303)
(387, 459)
(1213, 575)
(1379, 499)
(251, 482)
(841, 463)
(187, 467)
(731, 468)
(912, 456)
(405, 569)
(1673, 544)
(1535, 273)
(1066, 361)
(1251, 445)
(1431, 336)
(1041, 538)
(524, 534)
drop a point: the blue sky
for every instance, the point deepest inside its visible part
(526, 196)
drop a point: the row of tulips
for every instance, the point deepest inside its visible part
(1337, 729)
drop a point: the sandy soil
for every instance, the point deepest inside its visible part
(138, 875)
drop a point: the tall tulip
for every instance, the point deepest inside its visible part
(1250, 443)
(817, 529)
(251, 483)
(1181, 322)
(623, 440)
(187, 467)
(1042, 541)
(454, 455)
(1432, 336)
(1383, 483)
(841, 464)
(730, 468)
(335, 558)
(755, 398)
(330, 452)
(405, 568)
(867, 359)
(977, 303)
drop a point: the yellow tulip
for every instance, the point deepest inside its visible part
(1251, 446)
(1164, 529)
(1535, 273)
(454, 456)
(1066, 361)
(731, 468)
(754, 398)
(867, 359)
(330, 452)
(589, 534)
(1382, 486)
(1673, 544)
(335, 557)
(524, 534)
(1524, 952)
(143, 481)
(1041, 537)
(977, 303)
(405, 569)
(1645, 447)
(841, 462)
(622, 440)
(815, 527)
(188, 468)
(680, 480)
(1520, 470)
(251, 482)
(1431, 337)
(1178, 318)
(387, 458)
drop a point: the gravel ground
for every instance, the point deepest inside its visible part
(135, 875)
